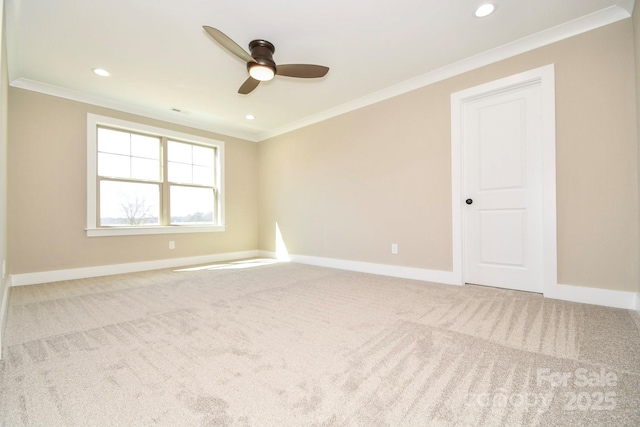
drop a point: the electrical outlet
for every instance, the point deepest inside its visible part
(394, 248)
(172, 244)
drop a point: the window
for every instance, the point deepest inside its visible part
(146, 180)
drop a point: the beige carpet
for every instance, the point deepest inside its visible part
(295, 345)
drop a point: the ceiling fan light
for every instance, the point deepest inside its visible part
(261, 72)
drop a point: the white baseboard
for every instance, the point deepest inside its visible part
(423, 274)
(4, 306)
(595, 296)
(107, 270)
(581, 294)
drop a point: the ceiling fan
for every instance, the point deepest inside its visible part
(260, 62)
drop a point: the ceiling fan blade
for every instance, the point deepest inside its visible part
(305, 71)
(228, 44)
(249, 85)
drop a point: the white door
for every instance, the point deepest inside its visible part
(502, 186)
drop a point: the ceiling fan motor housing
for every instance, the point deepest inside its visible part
(262, 52)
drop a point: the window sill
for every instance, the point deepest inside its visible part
(170, 229)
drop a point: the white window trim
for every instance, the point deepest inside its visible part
(93, 121)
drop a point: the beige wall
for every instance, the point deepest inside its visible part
(47, 193)
(350, 186)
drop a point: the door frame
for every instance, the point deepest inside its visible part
(545, 78)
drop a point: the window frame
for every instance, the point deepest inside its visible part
(93, 228)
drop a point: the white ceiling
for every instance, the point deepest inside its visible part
(160, 58)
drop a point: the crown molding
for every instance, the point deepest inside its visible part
(73, 95)
(622, 10)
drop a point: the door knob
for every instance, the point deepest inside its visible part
(468, 201)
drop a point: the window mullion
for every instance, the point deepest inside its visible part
(164, 196)
(98, 197)
(215, 202)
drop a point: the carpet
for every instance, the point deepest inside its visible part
(257, 343)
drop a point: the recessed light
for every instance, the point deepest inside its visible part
(485, 10)
(101, 72)
(249, 117)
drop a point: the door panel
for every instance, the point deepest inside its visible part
(500, 148)
(501, 237)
